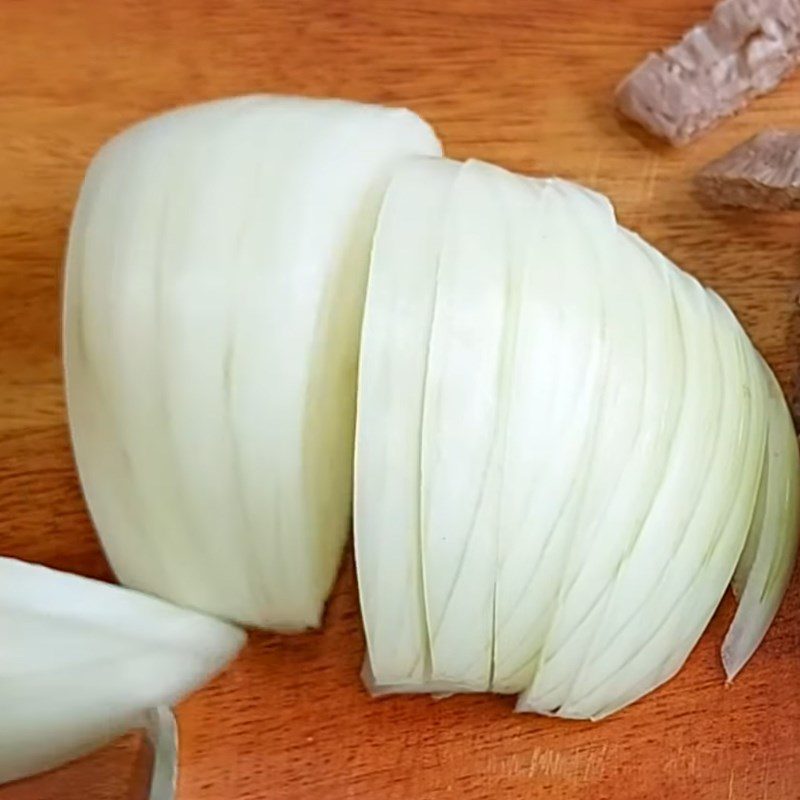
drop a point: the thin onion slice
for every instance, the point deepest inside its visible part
(460, 444)
(397, 320)
(772, 540)
(81, 661)
(214, 289)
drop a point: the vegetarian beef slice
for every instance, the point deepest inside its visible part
(743, 50)
(763, 173)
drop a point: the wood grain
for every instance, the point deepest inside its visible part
(526, 83)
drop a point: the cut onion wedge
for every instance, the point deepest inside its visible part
(82, 660)
(215, 282)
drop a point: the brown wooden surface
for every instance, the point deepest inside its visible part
(526, 83)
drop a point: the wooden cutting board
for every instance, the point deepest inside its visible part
(528, 84)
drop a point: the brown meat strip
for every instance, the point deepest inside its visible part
(743, 50)
(763, 173)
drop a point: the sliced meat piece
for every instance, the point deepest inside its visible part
(763, 173)
(743, 50)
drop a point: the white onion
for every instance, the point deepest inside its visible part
(82, 660)
(565, 445)
(401, 289)
(765, 567)
(569, 435)
(214, 289)
(459, 443)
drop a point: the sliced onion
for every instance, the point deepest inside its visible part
(459, 437)
(402, 286)
(82, 660)
(591, 449)
(637, 410)
(214, 289)
(671, 582)
(588, 501)
(764, 571)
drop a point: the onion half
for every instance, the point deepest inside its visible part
(575, 468)
(215, 279)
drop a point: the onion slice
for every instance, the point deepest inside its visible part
(638, 409)
(555, 391)
(397, 320)
(81, 661)
(766, 567)
(215, 280)
(460, 437)
(673, 580)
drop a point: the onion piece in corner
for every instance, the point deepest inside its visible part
(772, 540)
(215, 280)
(81, 660)
(392, 370)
